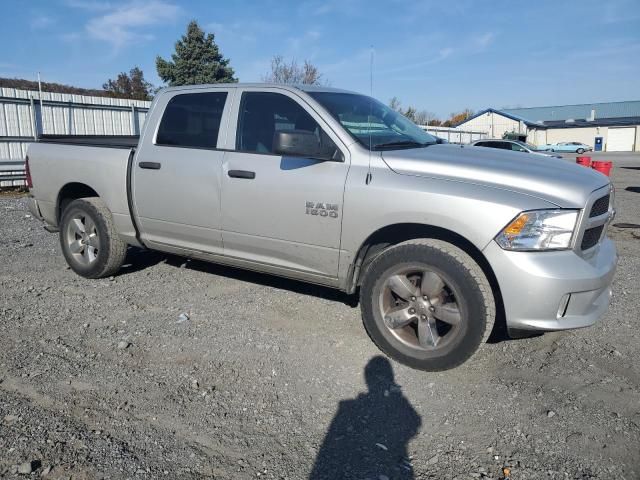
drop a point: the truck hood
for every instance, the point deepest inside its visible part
(560, 182)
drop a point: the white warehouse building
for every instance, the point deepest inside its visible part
(612, 127)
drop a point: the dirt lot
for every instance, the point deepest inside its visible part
(266, 378)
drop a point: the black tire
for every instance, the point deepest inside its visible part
(580, 151)
(109, 251)
(462, 276)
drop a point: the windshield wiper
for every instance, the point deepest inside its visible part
(401, 144)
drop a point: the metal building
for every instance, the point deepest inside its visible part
(454, 135)
(23, 116)
(616, 124)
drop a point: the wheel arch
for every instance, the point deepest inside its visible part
(391, 235)
(70, 192)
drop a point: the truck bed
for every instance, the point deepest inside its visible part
(111, 141)
(65, 163)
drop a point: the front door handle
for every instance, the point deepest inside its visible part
(150, 165)
(242, 174)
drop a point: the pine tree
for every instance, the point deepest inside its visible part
(197, 60)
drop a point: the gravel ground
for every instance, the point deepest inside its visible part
(275, 379)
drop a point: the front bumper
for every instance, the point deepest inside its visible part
(548, 291)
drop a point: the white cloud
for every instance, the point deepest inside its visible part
(438, 49)
(121, 25)
(483, 41)
(445, 52)
(329, 7)
(40, 21)
(254, 71)
(303, 43)
(91, 5)
(620, 11)
(70, 36)
(247, 30)
(397, 66)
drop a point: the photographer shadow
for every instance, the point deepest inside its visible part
(369, 435)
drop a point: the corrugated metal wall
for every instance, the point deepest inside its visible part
(455, 134)
(582, 111)
(22, 117)
(494, 124)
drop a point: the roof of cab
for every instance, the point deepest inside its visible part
(303, 88)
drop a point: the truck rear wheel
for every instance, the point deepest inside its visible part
(90, 243)
(427, 304)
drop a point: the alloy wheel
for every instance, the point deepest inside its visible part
(420, 309)
(82, 239)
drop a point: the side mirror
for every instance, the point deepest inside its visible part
(301, 143)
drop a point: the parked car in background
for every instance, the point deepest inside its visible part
(567, 147)
(513, 145)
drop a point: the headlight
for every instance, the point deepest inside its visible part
(539, 230)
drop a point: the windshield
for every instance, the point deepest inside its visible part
(374, 125)
(529, 146)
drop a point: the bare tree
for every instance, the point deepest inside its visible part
(421, 117)
(457, 118)
(424, 117)
(292, 73)
(410, 113)
(395, 104)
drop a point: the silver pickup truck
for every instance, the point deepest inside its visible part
(334, 188)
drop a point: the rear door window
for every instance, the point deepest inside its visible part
(192, 120)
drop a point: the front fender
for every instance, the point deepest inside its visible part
(475, 212)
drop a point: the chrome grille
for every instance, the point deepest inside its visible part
(600, 206)
(591, 237)
(596, 216)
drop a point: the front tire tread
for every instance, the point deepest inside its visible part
(110, 240)
(465, 260)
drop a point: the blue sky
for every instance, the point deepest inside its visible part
(442, 56)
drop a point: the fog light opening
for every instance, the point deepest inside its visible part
(564, 305)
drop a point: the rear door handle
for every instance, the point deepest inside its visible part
(150, 165)
(242, 174)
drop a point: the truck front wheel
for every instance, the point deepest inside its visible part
(90, 243)
(427, 304)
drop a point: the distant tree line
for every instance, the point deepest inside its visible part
(424, 117)
(23, 84)
(130, 85)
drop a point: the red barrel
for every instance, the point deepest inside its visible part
(602, 167)
(584, 161)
